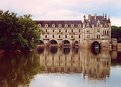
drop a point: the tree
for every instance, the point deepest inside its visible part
(116, 32)
(17, 33)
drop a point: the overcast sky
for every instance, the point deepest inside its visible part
(64, 9)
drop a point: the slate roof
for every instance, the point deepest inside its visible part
(57, 22)
(92, 20)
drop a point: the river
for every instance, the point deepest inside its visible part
(61, 67)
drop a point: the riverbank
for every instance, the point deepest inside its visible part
(2, 51)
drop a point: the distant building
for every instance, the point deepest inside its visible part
(76, 32)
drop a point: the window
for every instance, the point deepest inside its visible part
(71, 36)
(59, 36)
(59, 25)
(98, 30)
(66, 30)
(53, 25)
(59, 30)
(79, 36)
(88, 36)
(72, 25)
(88, 31)
(65, 36)
(66, 25)
(39, 25)
(72, 30)
(53, 36)
(79, 30)
(107, 33)
(45, 36)
(98, 36)
(79, 25)
(46, 25)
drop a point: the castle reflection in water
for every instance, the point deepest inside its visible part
(66, 60)
(20, 69)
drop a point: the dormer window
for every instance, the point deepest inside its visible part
(53, 25)
(66, 25)
(46, 25)
(79, 25)
(72, 25)
(39, 25)
(59, 25)
(87, 24)
(92, 25)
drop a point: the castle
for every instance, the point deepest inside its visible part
(76, 33)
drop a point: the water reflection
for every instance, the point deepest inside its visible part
(95, 48)
(115, 58)
(53, 49)
(40, 50)
(93, 66)
(21, 69)
(66, 50)
(18, 70)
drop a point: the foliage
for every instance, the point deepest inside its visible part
(16, 32)
(116, 32)
(18, 69)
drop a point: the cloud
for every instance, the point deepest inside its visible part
(62, 9)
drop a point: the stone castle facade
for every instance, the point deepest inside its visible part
(76, 32)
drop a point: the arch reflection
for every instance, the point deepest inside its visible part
(18, 70)
(40, 50)
(84, 61)
(66, 50)
(53, 49)
(95, 47)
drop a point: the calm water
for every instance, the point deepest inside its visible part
(56, 67)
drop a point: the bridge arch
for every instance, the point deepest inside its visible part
(95, 47)
(41, 42)
(53, 41)
(75, 44)
(66, 42)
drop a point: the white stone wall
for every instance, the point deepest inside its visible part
(73, 34)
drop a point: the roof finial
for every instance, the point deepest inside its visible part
(105, 15)
(84, 16)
